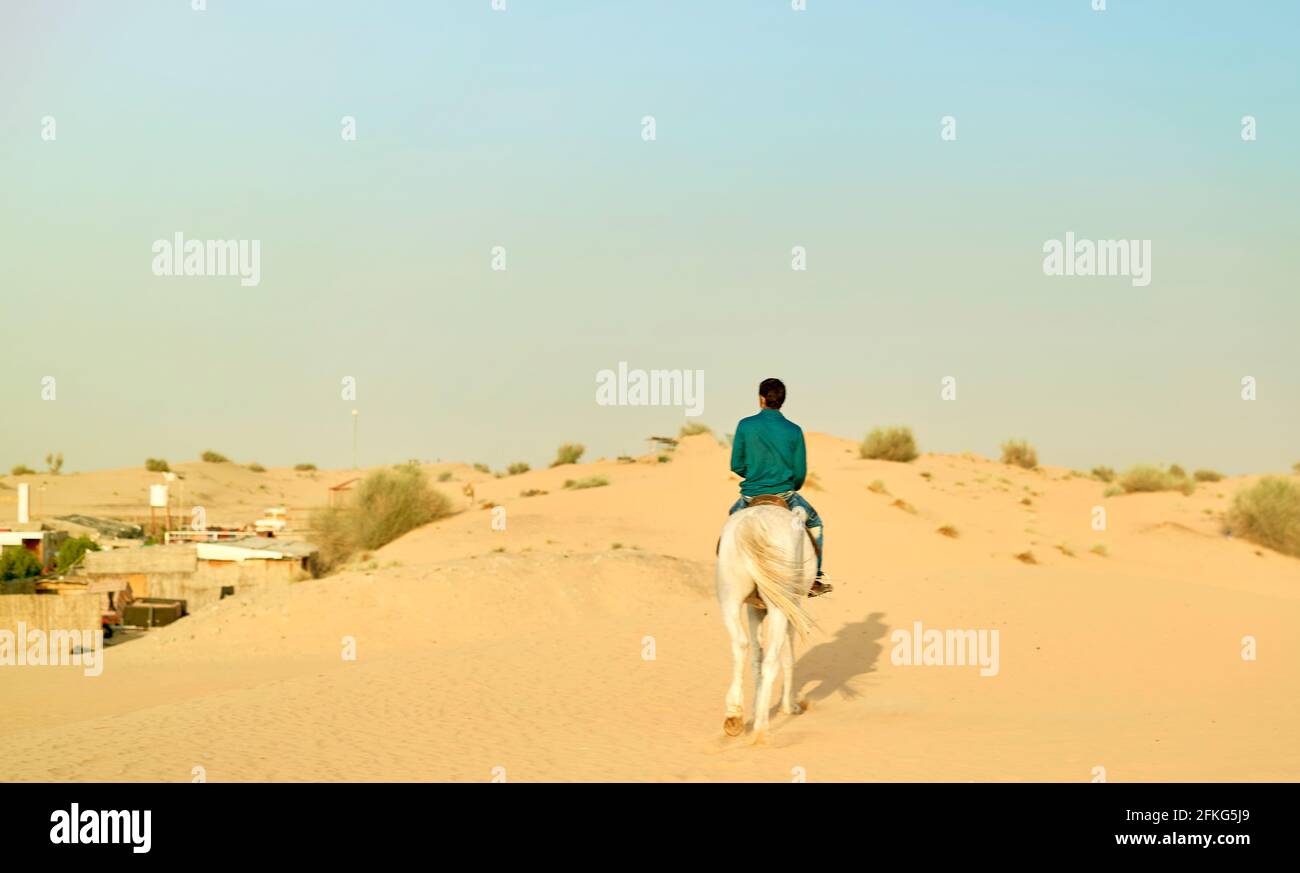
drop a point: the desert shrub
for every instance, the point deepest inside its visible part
(1177, 472)
(569, 453)
(387, 504)
(517, 467)
(590, 482)
(1295, 468)
(664, 459)
(1207, 476)
(1148, 477)
(157, 465)
(18, 563)
(70, 552)
(1268, 513)
(889, 444)
(1104, 474)
(1020, 453)
(212, 457)
(444, 476)
(694, 428)
(22, 470)
(256, 467)
(54, 462)
(532, 492)
(304, 468)
(483, 468)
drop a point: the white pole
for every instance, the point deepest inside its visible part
(24, 503)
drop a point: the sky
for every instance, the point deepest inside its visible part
(524, 129)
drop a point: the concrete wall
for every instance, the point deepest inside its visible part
(50, 612)
(179, 577)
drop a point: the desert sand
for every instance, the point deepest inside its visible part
(522, 654)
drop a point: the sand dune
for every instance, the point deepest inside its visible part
(524, 649)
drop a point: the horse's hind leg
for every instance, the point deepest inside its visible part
(776, 631)
(755, 650)
(788, 706)
(734, 724)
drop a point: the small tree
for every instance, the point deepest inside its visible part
(1020, 453)
(71, 552)
(18, 563)
(54, 462)
(157, 465)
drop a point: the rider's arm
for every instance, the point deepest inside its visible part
(738, 452)
(800, 463)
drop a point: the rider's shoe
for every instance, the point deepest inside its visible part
(821, 586)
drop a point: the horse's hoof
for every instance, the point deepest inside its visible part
(792, 709)
(760, 737)
(734, 726)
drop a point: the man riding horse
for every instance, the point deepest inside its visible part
(769, 454)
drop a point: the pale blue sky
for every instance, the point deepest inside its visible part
(522, 128)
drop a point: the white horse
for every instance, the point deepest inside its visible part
(764, 556)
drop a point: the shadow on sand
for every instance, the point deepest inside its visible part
(835, 664)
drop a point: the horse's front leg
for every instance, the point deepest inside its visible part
(734, 724)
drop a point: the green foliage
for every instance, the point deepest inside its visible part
(54, 462)
(22, 470)
(1148, 477)
(71, 551)
(1268, 513)
(256, 467)
(18, 563)
(694, 428)
(1105, 474)
(304, 468)
(518, 467)
(889, 444)
(590, 482)
(157, 465)
(387, 504)
(212, 457)
(1020, 453)
(569, 453)
(1207, 476)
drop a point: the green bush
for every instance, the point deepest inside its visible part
(22, 470)
(70, 552)
(304, 468)
(889, 444)
(18, 563)
(212, 457)
(1207, 476)
(1020, 453)
(1148, 477)
(387, 504)
(483, 468)
(569, 453)
(518, 467)
(54, 462)
(256, 467)
(1177, 472)
(157, 465)
(694, 428)
(590, 482)
(1105, 474)
(1268, 513)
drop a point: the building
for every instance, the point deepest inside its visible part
(203, 573)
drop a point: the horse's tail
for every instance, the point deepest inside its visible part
(772, 553)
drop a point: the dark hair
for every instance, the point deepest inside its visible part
(773, 392)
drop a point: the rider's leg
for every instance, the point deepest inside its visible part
(737, 506)
(814, 524)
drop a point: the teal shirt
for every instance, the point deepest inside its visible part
(768, 452)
